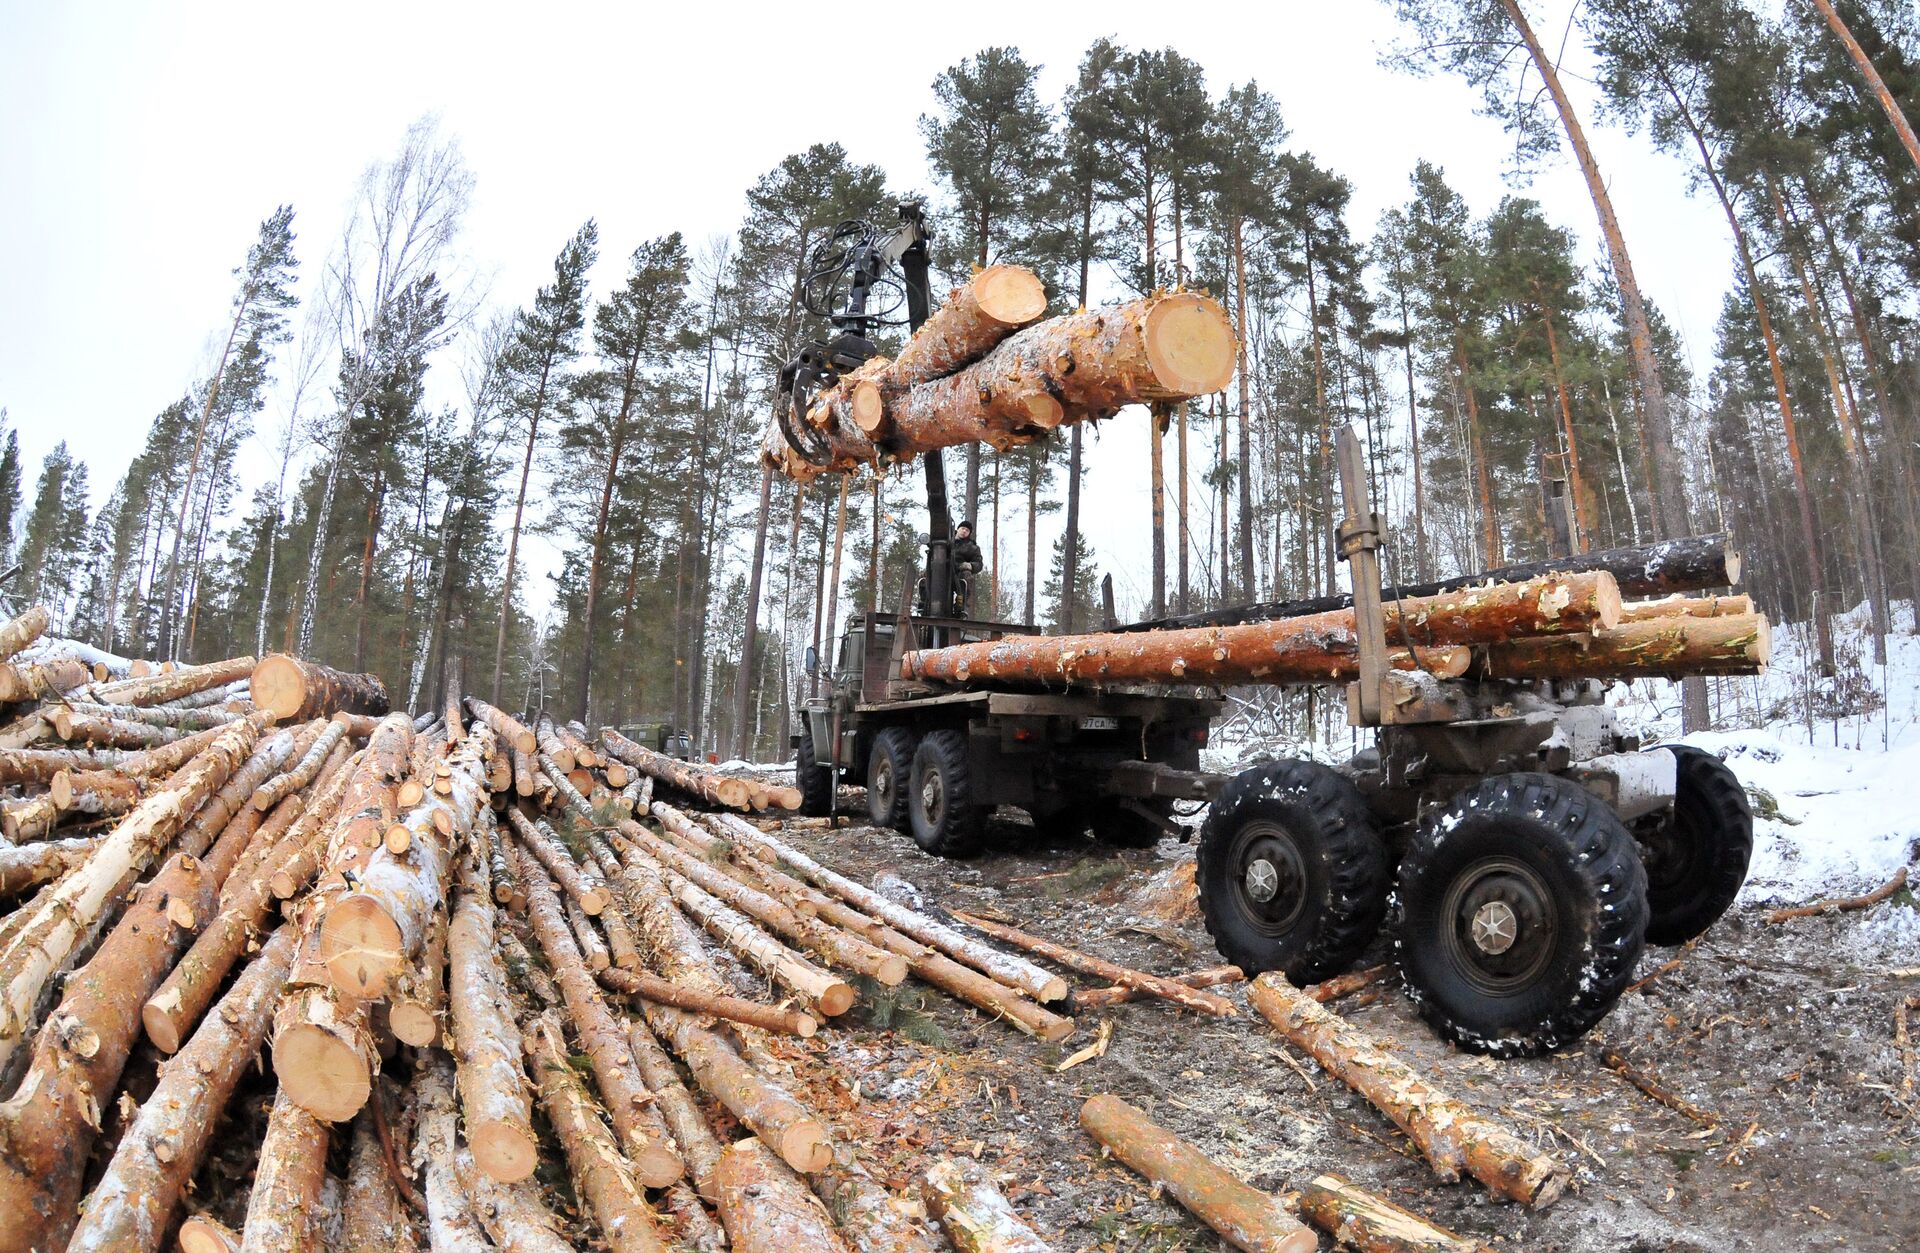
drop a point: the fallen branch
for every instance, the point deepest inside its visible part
(1845, 904)
(1100, 968)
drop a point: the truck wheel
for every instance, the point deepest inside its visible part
(941, 814)
(1292, 875)
(1119, 827)
(889, 767)
(1523, 908)
(814, 780)
(1696, 860)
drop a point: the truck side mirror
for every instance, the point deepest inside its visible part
(812, 664)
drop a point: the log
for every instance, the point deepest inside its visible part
(762, 1105)
(40, 765)
(1316, 648)
(91, 791)
(376, 1220)
(1650, 648)
(974, 1213)
(417, 994)
(133, 1204)
(582, 885)
(36, 817)
(25, 868)
(291, 688)
(177, 717)
(1346, 985)
(1243, 1216)
(486, 1041)
(506, 883)
(593, 949)
(1120, 994)
(161, 688)
(766, 1208)
(303, 772)
(44, 940)
(638, 1125)
(869, 1217)
(692, 1134)
(164, 760)
(602, 1178)
(1677, 606)
(1845, 904)
(1004, 967)
(622, 944)
(1693, 564)
(452, 1224)
(506, 728)
(1453, 1138)
(512, 1214)
(24, 629)
(1360, 1220)
(323, 1050)
(661, 991)
(205, 1234)
(39, 682)
(1100, 968)
(109, 732)
(977, 316)
(715, 789)
(287, 1179)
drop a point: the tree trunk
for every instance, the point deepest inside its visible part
(1248, 586)
(287, 1180)
(743, 690)
(513, 540)
(1576, 485)
(1157, 486)
(493, 1091)
(766, 1208)
(1901, 126)
(591, 613)
(453, 1226)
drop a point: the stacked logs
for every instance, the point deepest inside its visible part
(1548, 626)
(985, 368)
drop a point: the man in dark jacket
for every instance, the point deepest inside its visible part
(967, 562)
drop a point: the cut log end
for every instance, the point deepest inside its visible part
(322, 1073)
(361, 947)
(279, 686)
(506, 1152)
(836, 998)
(1190, 344)
(161, 1029)
(201, 1234)
(1011, 294)
(413, 1022)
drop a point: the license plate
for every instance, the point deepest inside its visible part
(1098, 723)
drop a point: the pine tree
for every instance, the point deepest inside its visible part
(9, 491)
(1085, 608)
(53, 540)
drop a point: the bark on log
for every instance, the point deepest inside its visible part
(976, 317)
(164, 760)
(452, 1224)
(133, 1204)
(1843, 904)
(1100, 968)
(593, 949)
(1346, 985)
(417, 994)
(974, 1213)
(24, 629)
(38, 682)
(715, 789)
(1678, 606)
(869, 1217)
(766, 1208)
(508, 729)
(582, 885)
(761, 1104)
(287, 1180)
(188, 681)
(94, 793)
(638, 1125)
(1243, 1216)
(303, 772)
(376, 1220)
(1120, 994)
(1370, 1224)
(512, 1214)
(652, 987)
(506, 883)
(109, 732)
(291, 688)
(1316, 648)
(91, 791)
(1693, 564)
(486, 1041)
(1652, 647)
(43, 941)
(40, 765)
(692, 1134)
(601, 1176)
(1453, 1138)
(1003, 967)
(174, 716)
(22, 869)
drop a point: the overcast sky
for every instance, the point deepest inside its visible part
(141, 145)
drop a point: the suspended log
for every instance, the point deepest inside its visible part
(38, 682)
(376, 1220)
(1693, 564)
(638, 1125)
(1453, 1138)
(290, 688)
(133, 1204)
(452, 1224)
(715, 789)
(44, 939)
(1307, 649)
(303, 772)
(287, 1179)
(1100, 968)
(24, 629)
(766, 1208)
(974, 1213)
(692, 1134)
(1120, 994)
(601, 1176)
(1370, 1224)
(1652, 647)
(977, 316)
(486, 1041)
(160, 688)
(27, 867)
(1003, 967)
(1677, 606)
(1244, 1216)
(509, 730)
(580, 884)
(762, 1105)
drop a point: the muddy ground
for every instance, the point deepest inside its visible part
(1786, 1049)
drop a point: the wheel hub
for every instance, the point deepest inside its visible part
(1502, 925)
(932, 796)
(1495, 927)
(1273, 877)
(1262, 880)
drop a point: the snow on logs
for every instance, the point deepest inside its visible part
(1079, 367)
(1454, 1139)
(292, 689)
(19, 631)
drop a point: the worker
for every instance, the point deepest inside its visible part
(967, 562)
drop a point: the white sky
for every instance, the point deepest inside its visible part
(141, 144)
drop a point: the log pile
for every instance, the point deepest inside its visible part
(1549, 625)
(985, 368)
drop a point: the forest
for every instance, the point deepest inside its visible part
(1482, 356)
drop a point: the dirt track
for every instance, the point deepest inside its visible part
(1788, 1050)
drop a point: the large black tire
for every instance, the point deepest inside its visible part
(814, 780)
(1523, 908)
(941, 814)
(1292, 874)
(889, 768)
(1696, 861)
